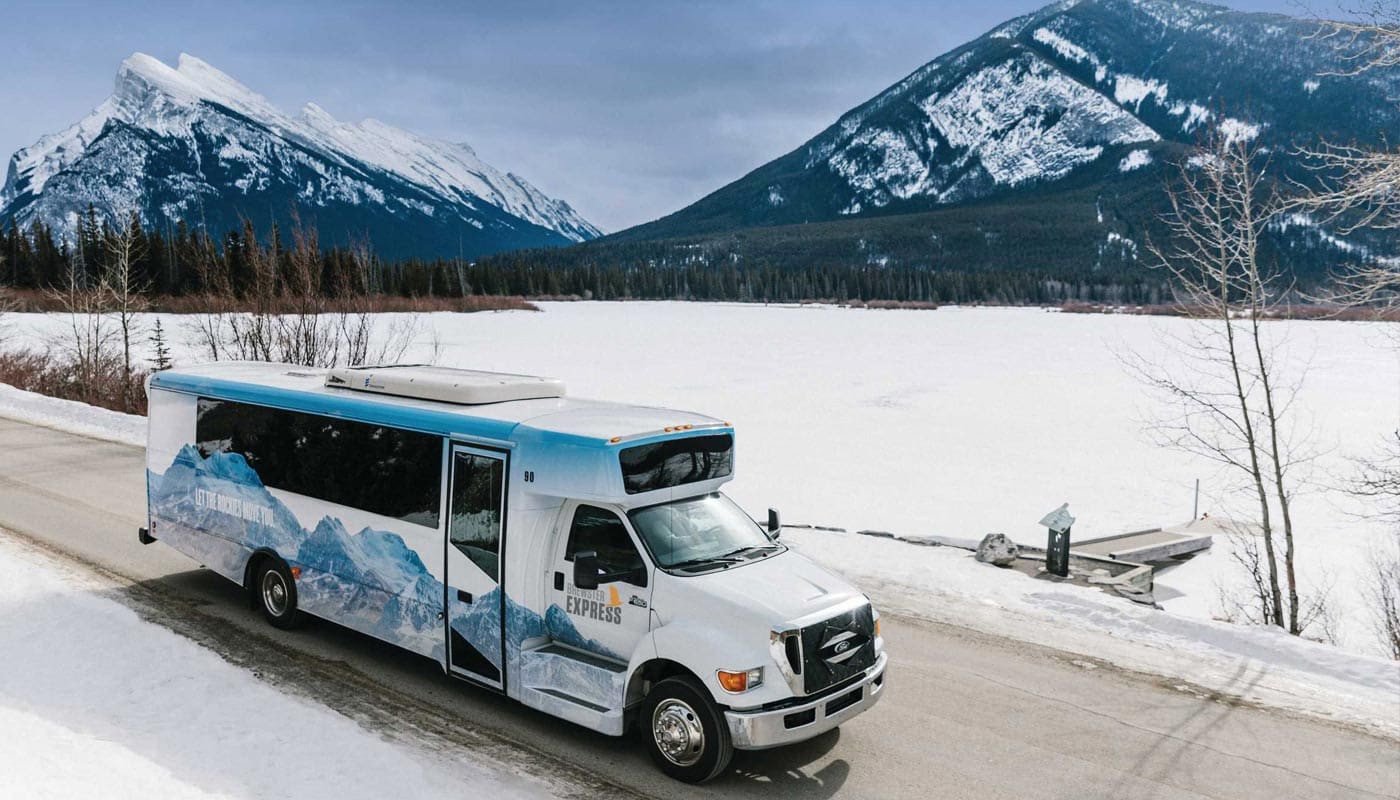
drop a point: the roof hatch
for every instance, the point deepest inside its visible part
(464, 386)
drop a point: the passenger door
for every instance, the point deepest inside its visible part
(475, 532)
(608, 621)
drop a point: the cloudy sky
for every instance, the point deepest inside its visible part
(628, 110)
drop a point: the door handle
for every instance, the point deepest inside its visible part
(465, 597)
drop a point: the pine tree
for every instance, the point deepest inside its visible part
(161, 359)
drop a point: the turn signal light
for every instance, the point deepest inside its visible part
(296, 573)
(735, 682)
(877, 627)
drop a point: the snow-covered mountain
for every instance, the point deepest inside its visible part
(1093, 98)
(191, 143)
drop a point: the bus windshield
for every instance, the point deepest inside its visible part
(701, 532)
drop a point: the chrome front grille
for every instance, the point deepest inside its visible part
(825, 653)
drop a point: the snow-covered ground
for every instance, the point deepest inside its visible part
(67, 415)
(1257, 664)
(959, 422)
(93, 696)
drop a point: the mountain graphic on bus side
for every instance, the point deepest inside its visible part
(371, 581)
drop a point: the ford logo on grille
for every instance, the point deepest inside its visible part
(838, 646)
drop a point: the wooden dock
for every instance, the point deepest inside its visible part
(1153, 544)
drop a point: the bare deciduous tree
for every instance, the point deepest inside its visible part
(289, 316)
(125, 246)
(1378, 482)
(90, 342)
(1229, 402)
(304, 335)
(366, 274)
(1359, 187)
(7, 304)
(207, 330)
(1383, 594)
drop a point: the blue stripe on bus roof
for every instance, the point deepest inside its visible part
(563, 421)
(343, 404)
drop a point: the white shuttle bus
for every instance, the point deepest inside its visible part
(577, 556)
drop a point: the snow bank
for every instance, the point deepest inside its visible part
(91, 695)
(66, 415)
(1262, 665)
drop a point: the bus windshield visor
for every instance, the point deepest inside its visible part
(674, 462)
(700, 531)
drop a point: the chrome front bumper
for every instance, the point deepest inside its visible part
(760, 730)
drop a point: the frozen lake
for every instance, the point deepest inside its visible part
(956, 422)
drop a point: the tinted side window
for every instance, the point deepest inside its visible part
(386, 471)
(674, 462)
(602, 531)
(475, 524)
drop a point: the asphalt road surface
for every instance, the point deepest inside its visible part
(965, 714)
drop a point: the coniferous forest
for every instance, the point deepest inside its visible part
(187, 262)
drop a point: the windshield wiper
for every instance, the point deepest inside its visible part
(700, 562)
(732, 557)
(753, 548)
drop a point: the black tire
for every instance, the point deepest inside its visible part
(675, 709)
(275, 592)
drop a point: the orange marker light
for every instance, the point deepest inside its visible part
(296, 572)
(615, 440)
(733, 681)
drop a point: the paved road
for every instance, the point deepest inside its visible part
(966, 715)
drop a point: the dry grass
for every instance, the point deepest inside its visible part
(918, 305)
(915, 305)
(32, 300)
(1305, 312)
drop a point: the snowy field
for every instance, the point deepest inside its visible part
(161, 717)
(954, 422)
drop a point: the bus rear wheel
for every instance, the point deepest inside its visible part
(276, 593)
(685, 733)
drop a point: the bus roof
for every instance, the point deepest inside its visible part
(303, 389)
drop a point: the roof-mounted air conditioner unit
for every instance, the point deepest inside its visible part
(464, 386)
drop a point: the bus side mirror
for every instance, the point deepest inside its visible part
(586, 570)
(775, 523)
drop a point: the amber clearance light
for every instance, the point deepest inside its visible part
(741, 681)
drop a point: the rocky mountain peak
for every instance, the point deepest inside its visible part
(191, 143)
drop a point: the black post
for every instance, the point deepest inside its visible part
(1057, 553)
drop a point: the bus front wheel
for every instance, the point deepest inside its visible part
(685, 733)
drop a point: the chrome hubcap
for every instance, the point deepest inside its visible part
(274, 593)
(678, 732)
